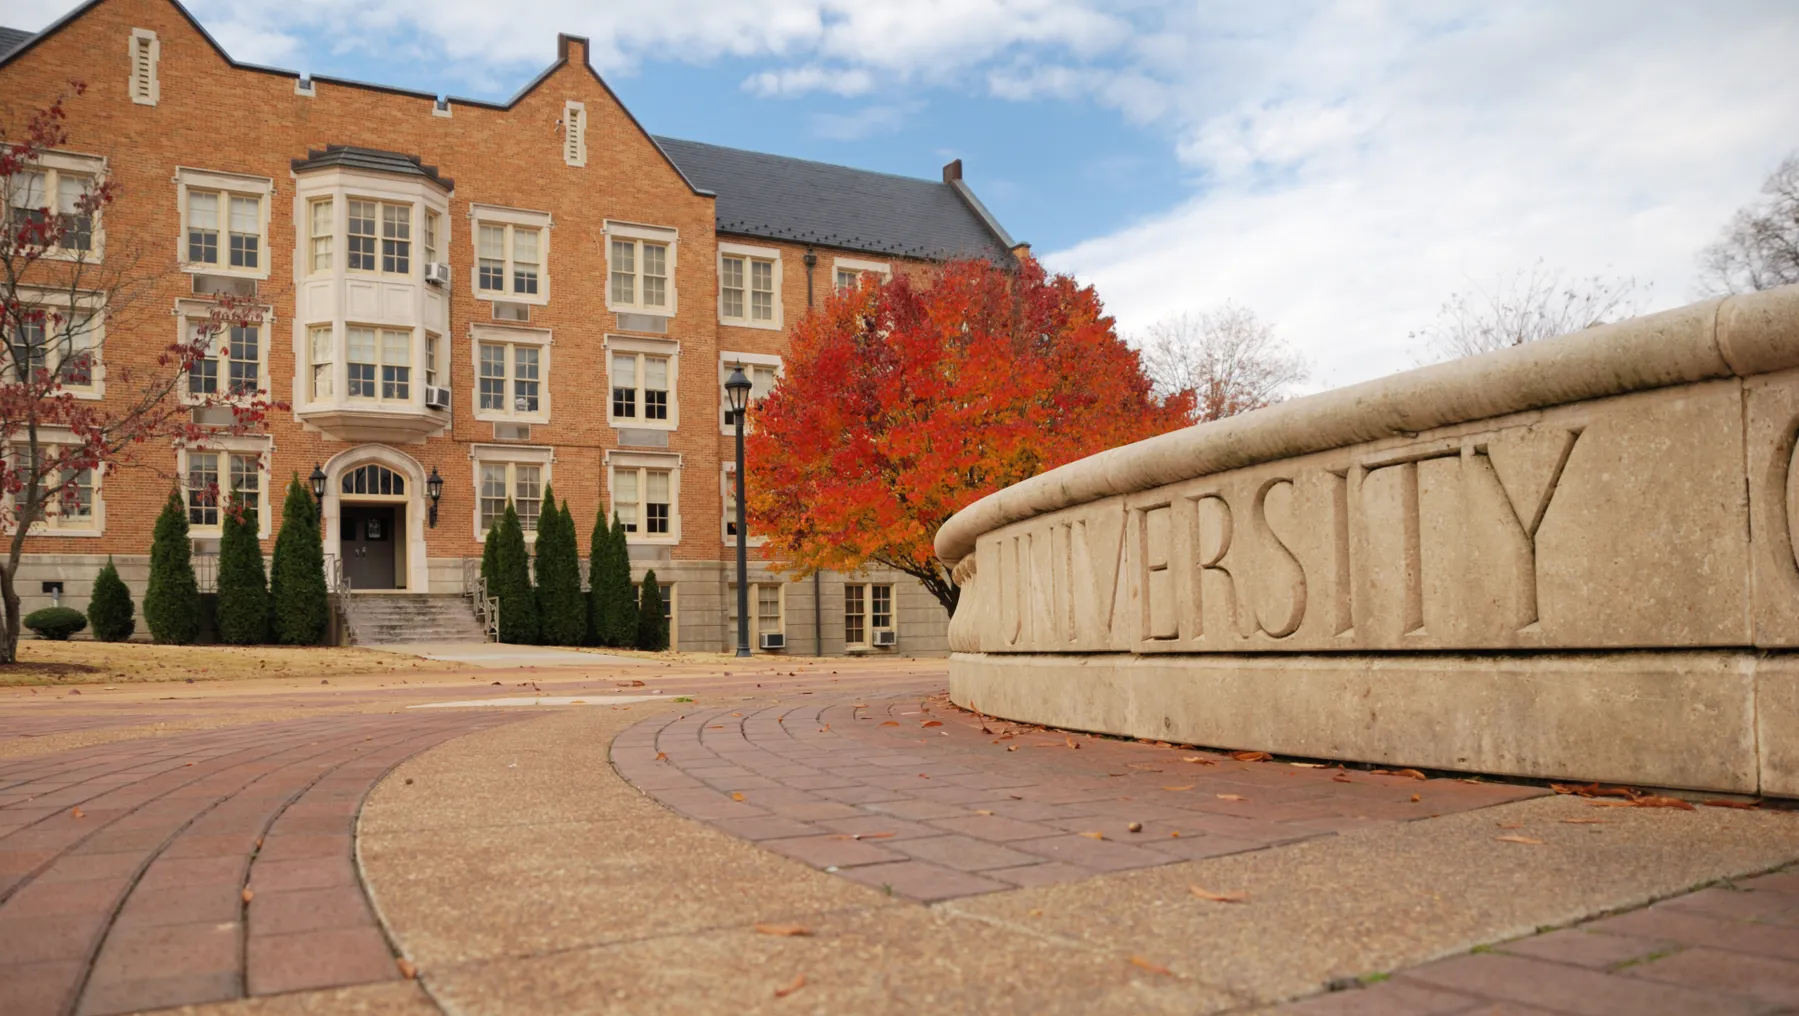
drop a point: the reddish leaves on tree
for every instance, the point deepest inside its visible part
(904, 402)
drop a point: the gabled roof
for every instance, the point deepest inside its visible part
(11, 38)
(373, 159)
(782, 198)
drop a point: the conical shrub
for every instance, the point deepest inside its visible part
(652, 627)
(300, 601)
(561, 615)
(512, 583)
(243, 609)
(109, 607)
(172, 601)
(618, 611)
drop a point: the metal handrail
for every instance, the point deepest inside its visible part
(340, 588)
(487, 608)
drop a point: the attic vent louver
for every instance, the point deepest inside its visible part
(146, 52)
(574, 133)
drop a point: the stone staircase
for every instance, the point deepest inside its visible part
(387, 618)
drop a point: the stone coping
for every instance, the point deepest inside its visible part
(1737, 336)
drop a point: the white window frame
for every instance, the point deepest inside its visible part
(632, 345)
(507, 455)
(95, 328)
(226, 446)
(189, 313)
(54, 165)
(415, 390)
(492, 334)
(727, 490)
(618, 461)
(227, 186)
(756, 629)
(868, 612)
(860, 265)
(749, 254)
(151, 92)
(52, 525)
(332, 249)
(496, 215)
(727, 361)
(574, 133)
(639, 234)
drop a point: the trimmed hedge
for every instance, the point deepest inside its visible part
(512, 583)
(561, 613)
(172, 601)
(55, 623)
(109, 608)
(243, 611)
(299, 603)
(652, 627)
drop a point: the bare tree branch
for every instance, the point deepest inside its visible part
(1230, 359)
(1535, 303)
(1759, 249)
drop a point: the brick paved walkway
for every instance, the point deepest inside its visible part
(198, 867)
(920, 798)
(1727, 951)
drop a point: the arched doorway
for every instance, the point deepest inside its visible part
(375, 518)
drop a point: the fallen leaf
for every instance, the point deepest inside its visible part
(1094, 836)
(1011, 747)
(1138, 961)
(1509, 825)
(1144, 766)
(1251, 756)
(407, 970)
(662, 756)
(932, 723)
(1584, 821)
(736, 795)
(1340, 778)
(1312, 765)
(1651, 801)
(786, 930)
(1034, 912)
(1196, 760)
(1232, 797)
(248, 896)
(1612, 804)
(1415, 798)
(77, 813)
(798, 983)
(1186, 787)
(825, 729)
(890, 723)
(983, 811)
(1413, 773)
(1206, 894)
(1520, 839)
(1721, 803)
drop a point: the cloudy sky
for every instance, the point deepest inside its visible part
(1340, 168)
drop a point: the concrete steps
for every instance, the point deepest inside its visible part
(388, 618)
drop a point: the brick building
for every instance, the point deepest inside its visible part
(506, 295)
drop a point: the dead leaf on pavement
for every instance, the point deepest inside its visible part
(1011, 747)
(1187, 787)
(1207, 894)
(1144, 766)
(1340, 778)
(1196, 760)
(1416, 798)
(1413, 773)
(1651, 801)
(1154, 968)
(932, 723)
(662, 756)
(1520, 839)
(1232, 797)
(890, 723)
(1251, 756)
(983, 811)
(407, 970)
(797, 983)
(786, 930)
(1721, 803)
(1071, 742)
(1509, 825)
(1094, 836)
(77, 813)
(1584, 821)
(248, 896)
(736, 795)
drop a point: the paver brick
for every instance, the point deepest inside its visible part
(922, 881)
(1585, 948)
(1773, 981)
(830, 851)
(1570, 989)
(1390, 999)
(1686, 928)
(327, 958)
(963, 853)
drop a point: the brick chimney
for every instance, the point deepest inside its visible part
(952, 172)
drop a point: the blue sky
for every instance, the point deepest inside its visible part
(1340, 167)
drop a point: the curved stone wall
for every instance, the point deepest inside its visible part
(1574, 559)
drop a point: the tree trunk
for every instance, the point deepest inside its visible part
(9, 648)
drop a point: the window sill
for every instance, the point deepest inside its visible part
(651, 541)
(202, 268)
(495, 296)
(39, 530)
(91, 256)
(534, 419)
(768, 326)
(755, 541)
(631, 423)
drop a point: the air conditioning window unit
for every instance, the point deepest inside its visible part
(884, 638)
(774, 640)
(437, 273)
(437, 398)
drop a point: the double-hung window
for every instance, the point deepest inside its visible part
(215, 477)
(380, 237)
(640, 387)
(510, 378)
(396, 239)
(762, 377)
(866, 608)
(379, 364)
(233, 367)
(432, 223)
(71, 500)
(51, 200)
(747, 281)
(224, 229)
(521, 483)
(640, 263)
(321, 229)
(849, 272)
(643, 499)
(323, 361)
(48, 341)
(510, 246)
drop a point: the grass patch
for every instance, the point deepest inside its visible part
(43, 663)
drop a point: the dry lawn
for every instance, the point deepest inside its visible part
(43, 662)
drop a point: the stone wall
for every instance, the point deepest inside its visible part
(1572, 559)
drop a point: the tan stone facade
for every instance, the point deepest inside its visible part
(525, 205)
(1570, 559)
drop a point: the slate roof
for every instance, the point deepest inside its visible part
(782, 198)
(352, 157)
(11, 38)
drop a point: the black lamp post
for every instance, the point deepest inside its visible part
(318, 484)
(737, 391)
(434, 489)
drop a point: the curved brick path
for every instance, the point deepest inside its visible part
(124, 867)
(933, 803)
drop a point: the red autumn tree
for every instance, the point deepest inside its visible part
(67, 409)
(905, 401)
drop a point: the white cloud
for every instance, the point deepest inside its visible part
(881, 118)
(792, 81)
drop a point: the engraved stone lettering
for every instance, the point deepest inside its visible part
(1529, 471)
(1212, 579)
(1282, 560)
(1160, 614)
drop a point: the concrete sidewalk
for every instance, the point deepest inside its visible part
(501, 656)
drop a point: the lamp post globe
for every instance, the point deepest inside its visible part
(434, 489)
(317, 480)
(737, 395)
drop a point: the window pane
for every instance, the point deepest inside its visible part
(321, 236)
(731, 287)
(493, 242)
(656, 501)
(493, 495)
(493, 377)
(396, 365)
(246, 359)
(202, 488)
(361, 362)
(624, 278)
(624, 497)
(396, 236)
(361, 248)
(491, 261)
(768, 608)
(246, 481)
(321, 363)
(528, 494)
(655, 268)
(524, 373)
(203, 228)
(431, 236)
(762, 285)
(853, 620)
(655, 388)
(880, 607)
(624, 385)
(202, 209)
(524, 245)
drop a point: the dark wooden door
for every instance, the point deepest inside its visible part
(367, 540)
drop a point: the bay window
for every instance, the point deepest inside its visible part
(321, 230)
(319, 341)
(396, 239)
(384, 354)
